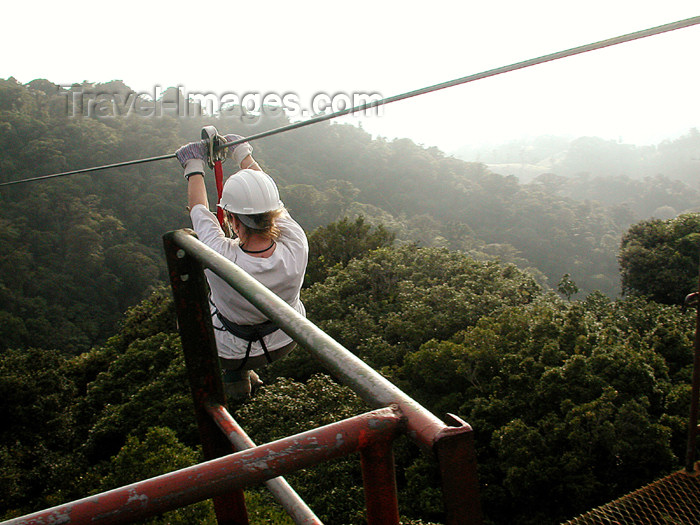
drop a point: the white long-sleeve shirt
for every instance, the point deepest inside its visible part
(282, 272)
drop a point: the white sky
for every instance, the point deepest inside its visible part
(641, 92)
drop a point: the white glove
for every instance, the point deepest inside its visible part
(239, 151)
(191, 157)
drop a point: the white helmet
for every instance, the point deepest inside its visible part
(249, 192)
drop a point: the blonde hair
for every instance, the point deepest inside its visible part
(267, 223)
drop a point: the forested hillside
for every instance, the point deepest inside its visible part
(435, 271)
(99, 235)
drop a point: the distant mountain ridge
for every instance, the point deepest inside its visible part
(676, 159)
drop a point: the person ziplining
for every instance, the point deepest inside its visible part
(267, 243)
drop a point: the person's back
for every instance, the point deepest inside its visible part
(269, 245)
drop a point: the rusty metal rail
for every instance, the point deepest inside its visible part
(285, 495)
(224, 474)
(219, 476)
(693, 301)
(423, 426)
(453, 444)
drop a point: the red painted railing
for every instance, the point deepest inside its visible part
(224, 474)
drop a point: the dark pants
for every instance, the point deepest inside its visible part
(239, 383)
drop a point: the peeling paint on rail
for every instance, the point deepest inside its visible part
(218, 476)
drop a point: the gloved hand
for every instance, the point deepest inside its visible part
(192, 157)
(239, 151)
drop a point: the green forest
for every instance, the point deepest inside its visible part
(546, 314)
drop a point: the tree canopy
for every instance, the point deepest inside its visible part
(586, 398)
(437, 272)
(660, 258)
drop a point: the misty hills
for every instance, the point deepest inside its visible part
(659, 181)
(677, 159)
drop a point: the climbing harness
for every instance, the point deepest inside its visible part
(250, 333)
(376, 103)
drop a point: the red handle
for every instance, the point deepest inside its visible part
(219, 177)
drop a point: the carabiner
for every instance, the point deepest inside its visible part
(214, 141)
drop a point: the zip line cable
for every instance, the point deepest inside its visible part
(88, 170)
(688, 22)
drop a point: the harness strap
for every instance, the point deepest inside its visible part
(250, 333)
(219, 178)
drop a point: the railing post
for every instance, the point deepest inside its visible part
(379, 479)
(456, 455)
(693, 300)
(199, 347)
(285, 495)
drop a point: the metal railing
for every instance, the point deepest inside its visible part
(693, 301)
(224, 474)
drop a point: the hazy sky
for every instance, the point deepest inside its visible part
(640, 92)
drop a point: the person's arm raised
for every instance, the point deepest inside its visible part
(191, 157)
(241, 153)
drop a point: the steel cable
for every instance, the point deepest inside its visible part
(688, 22)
